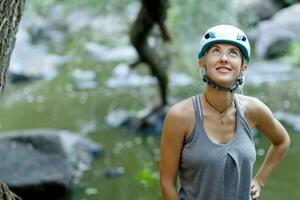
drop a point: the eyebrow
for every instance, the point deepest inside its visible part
(231, 48)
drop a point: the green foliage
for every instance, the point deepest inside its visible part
(290, 2)
(39, 6)
(188, 19)
(93, 6)
(148, 178)
(294, 53)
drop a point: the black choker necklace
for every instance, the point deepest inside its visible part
(221, 112)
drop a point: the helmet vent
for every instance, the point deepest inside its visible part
(210, 35)
(242, 37)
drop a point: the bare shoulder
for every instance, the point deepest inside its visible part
(254, 109)
(251, 103)
(182, 109)
(181, 116)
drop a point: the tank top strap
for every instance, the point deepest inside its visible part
(197, 106)
(238, 105)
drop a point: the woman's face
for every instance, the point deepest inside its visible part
(224, 62)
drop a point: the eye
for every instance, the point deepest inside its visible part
(234, 53)
(216, 51)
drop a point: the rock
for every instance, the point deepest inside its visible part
(274, 36)
(31, 59)
(124, 77)
(118, 118)
(113, 172)
(289, 118)
(258, 9)
(48, 27)
(41, 164)
(150, 120)
(147, 121)
(84, 79)
(91, 191)
(270, 72)
(104, 26)
(180, 80)
(34, 64)
(113, 24)
(107, 54)
(80, 17)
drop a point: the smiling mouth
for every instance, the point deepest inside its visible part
(223, 69)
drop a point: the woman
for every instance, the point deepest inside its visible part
(207, 138)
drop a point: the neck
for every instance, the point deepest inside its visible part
(219, 99)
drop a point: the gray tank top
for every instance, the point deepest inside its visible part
(210, 171)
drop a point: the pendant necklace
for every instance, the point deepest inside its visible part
(221, 112)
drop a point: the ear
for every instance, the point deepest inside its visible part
(201, 64)
(244, 68)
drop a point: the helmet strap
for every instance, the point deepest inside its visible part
(231, 89)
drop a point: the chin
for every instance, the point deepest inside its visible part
(224, 83)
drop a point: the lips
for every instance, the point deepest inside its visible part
(223, 69)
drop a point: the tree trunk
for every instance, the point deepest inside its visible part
(11, 12)
(152, 12)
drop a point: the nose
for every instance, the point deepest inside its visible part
(224, 57)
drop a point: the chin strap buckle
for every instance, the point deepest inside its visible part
(231, 89)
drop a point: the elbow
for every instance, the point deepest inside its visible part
(286, 145)
(287, 142)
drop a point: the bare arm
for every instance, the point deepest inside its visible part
(276, 133)
(173, 135)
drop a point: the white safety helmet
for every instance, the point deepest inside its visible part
(225, 34)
